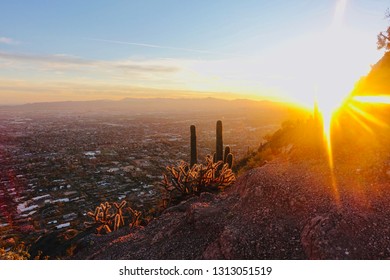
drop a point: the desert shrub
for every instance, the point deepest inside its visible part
(19, 252)
(111, 216)
(258, 159)
(183, 180)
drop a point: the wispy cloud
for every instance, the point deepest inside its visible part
(228, 75)
(65, 61)
(162, 47)
(122, 77)
(78, 71)
(8, 41)
(60, 58)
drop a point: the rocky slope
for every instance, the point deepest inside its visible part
(377, 81)
(282, 210)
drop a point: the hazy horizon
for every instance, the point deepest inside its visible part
(189, 96)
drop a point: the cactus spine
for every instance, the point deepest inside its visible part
(219, 143)
(194, 154)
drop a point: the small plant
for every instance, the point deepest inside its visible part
(19, 252)
(106, 219)
(118, 217)
(193, 154)
(102, 218)
(135, 217)
(183, 180)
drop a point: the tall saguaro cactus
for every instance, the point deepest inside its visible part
(227, 151)
(226, 157)
(229, 160)
(219, 143)
(194, 154)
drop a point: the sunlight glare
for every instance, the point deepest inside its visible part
(379, 99)
(368, 116)
(341, 6)
(333, 86)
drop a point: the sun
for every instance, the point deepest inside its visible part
(336, 70)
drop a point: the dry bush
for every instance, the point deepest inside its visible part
(110, 216)
(19, 252)
(183, 180)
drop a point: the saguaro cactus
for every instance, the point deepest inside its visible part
(220, 155)
(194, 154)
(227, 151)
(228, 157)
(229, 160)
(219, 143)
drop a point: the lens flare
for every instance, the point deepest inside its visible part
(379, 99)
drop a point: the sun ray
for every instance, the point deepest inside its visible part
(379, 99)
(339, 13)
(358, 120)
(329, 101)
(368, 116)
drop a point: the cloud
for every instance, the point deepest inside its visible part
(78, 71)
(8, 41)
(70, 62)
(162, 47)
(64, 59)
(234, 74)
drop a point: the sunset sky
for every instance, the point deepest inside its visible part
(276, 50)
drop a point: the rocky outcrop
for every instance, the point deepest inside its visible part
(377, 81)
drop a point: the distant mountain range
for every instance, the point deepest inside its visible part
(157, 106)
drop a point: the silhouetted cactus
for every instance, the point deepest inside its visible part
(193, 178)
(219, 142)
(229, 160)
(219, 155)
(194, 155)
(228, 157)
(227, 151)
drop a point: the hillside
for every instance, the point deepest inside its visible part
(288, 203)
(377, 81)
(292, 207)
(282, 210)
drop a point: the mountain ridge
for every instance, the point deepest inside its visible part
(164, 107)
